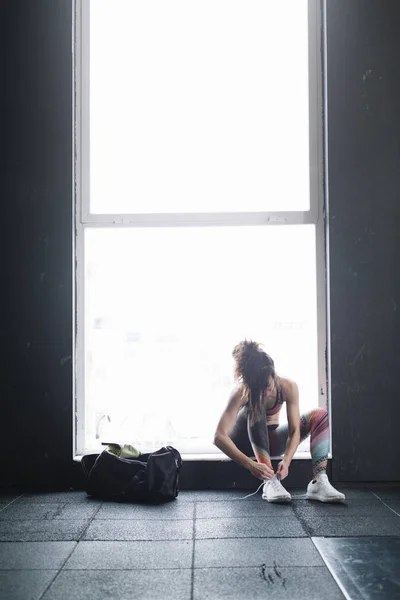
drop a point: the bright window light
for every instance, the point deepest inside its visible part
(163, 311)
(199, 106)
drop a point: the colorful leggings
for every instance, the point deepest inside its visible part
(262, 441)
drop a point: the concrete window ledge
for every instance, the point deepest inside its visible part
(217, 457)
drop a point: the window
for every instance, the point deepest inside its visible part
(198, 136)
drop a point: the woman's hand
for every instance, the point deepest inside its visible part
(260, 470)
(282, 470)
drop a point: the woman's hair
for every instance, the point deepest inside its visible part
(254, 368)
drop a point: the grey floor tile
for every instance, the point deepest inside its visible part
(139, 530)
(392, 493)
(131, 555)
(355, 493)
(34, 555)
(49, 510)
(121, 585)
(171, 510)
(224, 495)
(253, 552)
(366, 568)
(41, 530)
(249, 527)
(73, 496)
(313, 583)
(353, 507)
(24, 585)
(245, 508)
(187, 496)
(393, 505)
(353, 526)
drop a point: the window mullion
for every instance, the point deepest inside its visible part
(200, 219)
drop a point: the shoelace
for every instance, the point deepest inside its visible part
(276, 484)
(253, 494)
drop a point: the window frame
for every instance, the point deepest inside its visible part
(83, 218)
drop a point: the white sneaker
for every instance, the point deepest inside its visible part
(273, 491)
(320, 489)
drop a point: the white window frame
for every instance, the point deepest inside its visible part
(85, 219)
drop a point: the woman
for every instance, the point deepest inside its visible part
(250, 426)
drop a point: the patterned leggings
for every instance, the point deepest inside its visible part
(261, 441)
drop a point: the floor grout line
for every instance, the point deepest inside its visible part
(152, 520)
(69, 555)
(256, 566)
(384, 503)
(90, 522)
(302, 522)
(57, 574)
(193, 550)
(269, 566)
(265, 538)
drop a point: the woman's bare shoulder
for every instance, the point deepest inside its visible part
(288, 386)
(236, 396)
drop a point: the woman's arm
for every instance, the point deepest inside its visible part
(225, 444)
(291, 392)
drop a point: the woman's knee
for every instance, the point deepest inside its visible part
(312, 419)
(318, 413)
(318, 419)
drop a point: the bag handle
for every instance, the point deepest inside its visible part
(176, 455)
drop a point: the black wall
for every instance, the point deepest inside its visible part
(36, 240)
(364, 195)
(37, 229)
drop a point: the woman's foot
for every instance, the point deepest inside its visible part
(273, 491)
(320, 489)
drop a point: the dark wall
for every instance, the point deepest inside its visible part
(364, 195)
(36, 238)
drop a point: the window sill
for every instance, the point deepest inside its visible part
(209, 457)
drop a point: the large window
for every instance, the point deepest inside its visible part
(198, 147)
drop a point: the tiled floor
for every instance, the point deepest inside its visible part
(203, 545)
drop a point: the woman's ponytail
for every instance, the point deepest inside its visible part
(253, 368)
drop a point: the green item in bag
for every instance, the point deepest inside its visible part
(124, 450)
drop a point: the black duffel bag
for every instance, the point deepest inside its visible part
(152, 477)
